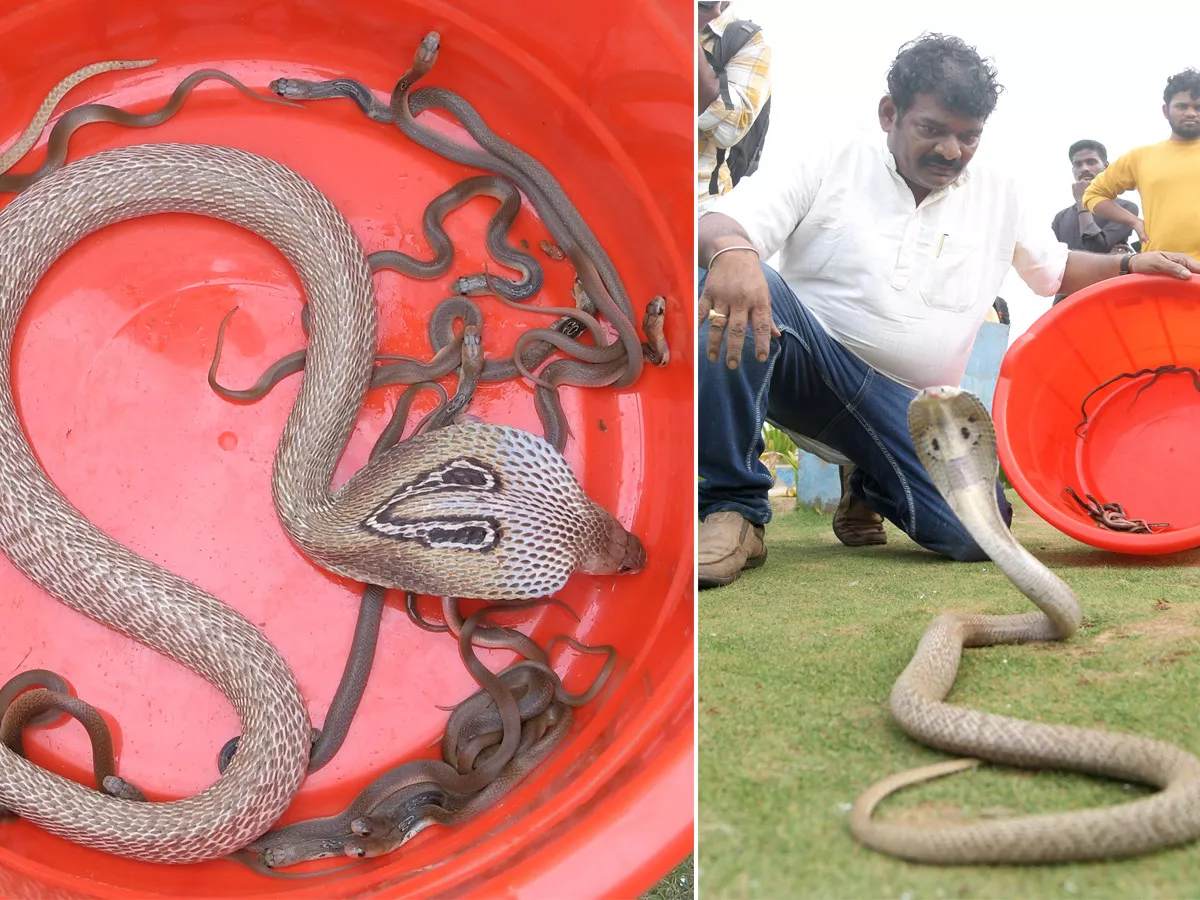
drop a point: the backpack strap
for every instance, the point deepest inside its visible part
(735, 37)
(737, 34)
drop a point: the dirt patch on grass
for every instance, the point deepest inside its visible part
(1167, 627)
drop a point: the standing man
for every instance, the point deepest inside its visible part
(733, 79)
(891, 251)
(1075, 226)
(1167, 175)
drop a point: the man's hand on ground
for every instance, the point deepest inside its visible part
(736, 294)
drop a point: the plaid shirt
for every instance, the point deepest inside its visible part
(749, 77)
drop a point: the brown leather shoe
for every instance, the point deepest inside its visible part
(853, 521)
(727, 545)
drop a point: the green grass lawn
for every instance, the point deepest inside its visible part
(796, 662)
(680, 884)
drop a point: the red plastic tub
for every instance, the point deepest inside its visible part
(1136, 450)
(110, 365)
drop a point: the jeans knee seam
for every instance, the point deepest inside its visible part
(849, 407)
(760, 410)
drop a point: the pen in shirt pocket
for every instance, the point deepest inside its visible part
(941, 244)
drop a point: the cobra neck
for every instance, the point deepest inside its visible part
(336, 376)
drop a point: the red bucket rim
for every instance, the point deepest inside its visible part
(1173, 541)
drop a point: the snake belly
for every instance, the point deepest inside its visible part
(956, 442)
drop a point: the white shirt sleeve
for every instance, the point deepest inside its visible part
(1038, 257)
(773, 201)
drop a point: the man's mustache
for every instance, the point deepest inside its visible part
(932, 159)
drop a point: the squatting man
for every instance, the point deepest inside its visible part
(892, 248)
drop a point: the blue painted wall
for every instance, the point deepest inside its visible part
(820, 486)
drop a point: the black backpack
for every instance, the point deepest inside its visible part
(745, 154)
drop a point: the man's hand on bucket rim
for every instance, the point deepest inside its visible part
(1162, 262)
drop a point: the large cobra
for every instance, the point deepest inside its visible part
(471, 510)
(956, 442)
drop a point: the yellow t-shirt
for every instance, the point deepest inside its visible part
(1167, 176)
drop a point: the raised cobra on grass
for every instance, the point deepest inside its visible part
(956, 443)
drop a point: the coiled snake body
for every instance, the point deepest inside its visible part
(470, 510)
(956, 443)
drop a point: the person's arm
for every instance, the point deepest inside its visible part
(1109, 209)
(1088, 268)
(1113, 234)
(707, 86)
(757, 216)
(1088, 229)
(769, 204)
(1049, 268)
(1101, 195)
(748, 76)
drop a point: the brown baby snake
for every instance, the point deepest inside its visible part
(29, 137)
(1159, 372)
(92, 113)
(34, 678)
(403, 370)
(956, 442)
(435, 234)
(494, 154)
(21, 709)
(405, 800)
(1112, 515)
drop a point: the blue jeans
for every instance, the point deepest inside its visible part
(813, 386)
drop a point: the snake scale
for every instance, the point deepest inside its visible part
(956, 442)
(474, 510)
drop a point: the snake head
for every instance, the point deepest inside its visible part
(284, 87)
(949, 423)
(387, 840)
(428, 51)
(472, 351)
(616, 552)
(303, 850)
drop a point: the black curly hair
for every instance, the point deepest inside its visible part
(948, 68)
(1088, 145)
(1186, 82)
